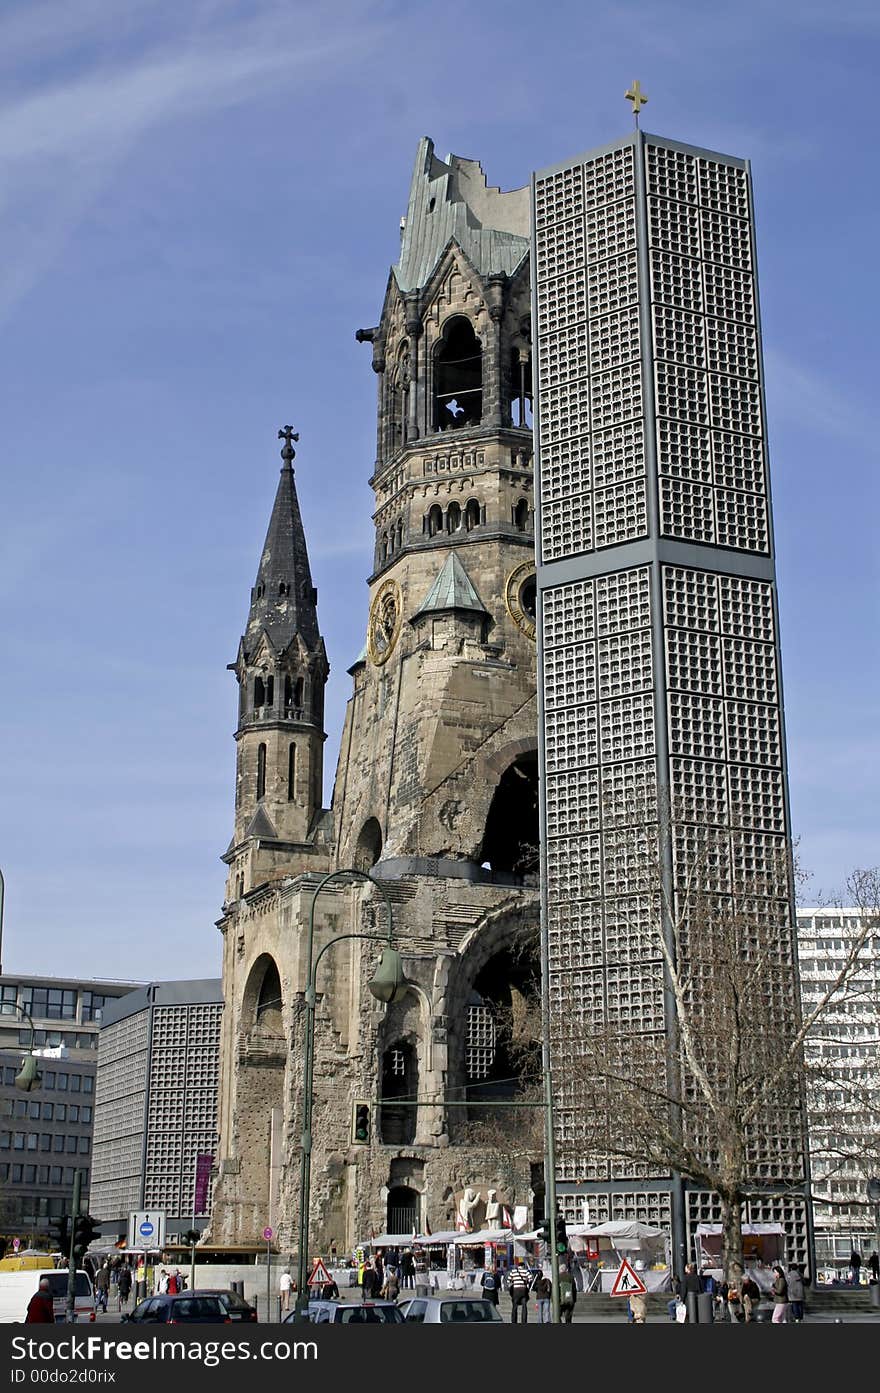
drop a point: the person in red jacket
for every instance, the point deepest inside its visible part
(41, 1309)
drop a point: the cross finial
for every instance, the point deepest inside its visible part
(637, 97)
(288, 454)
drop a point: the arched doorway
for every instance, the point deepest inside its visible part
(260, 1103)
(369, 845)
(510, 841)
(404, 1210)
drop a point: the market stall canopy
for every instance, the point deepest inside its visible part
(749, 1230)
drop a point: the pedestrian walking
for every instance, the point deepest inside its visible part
(874, 1265)
(691, 1284)
(407, 1269)
(285, 1286)
(371, 1285)
(780, 1297)
(391, 1288)
(123, 1286)
(855, 1266)
(795, 1282)
(102, 1286)
(543, 1289)
(567, 1295)
(489, 1284)
(518, 1289)
(41, 1308)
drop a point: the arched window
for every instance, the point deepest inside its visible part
(458, 376)
(288, 693)
(399, 533)
(269, 1000)
(291, 772)
(521, 515)
(404, 1207)
(369, 845)
(397, 1125)
(259, 692)
(453, 518)
(471, 515)
(298, 694)
(383, 550)
(261, 772)
(270, 691)
(435, 520)
(510, 841)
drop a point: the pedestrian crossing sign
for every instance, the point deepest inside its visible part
(319, 1274)
(628, 1282)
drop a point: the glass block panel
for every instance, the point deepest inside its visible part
(611, 285)
(570, 675)
(571, 738)
(693, 661)
(753, 733)
(627, 728)
(749, 670)
(620, 514)
(561, 301)
(611, 230)
(724, 186)
(614, 339)
(573, 802)
(559, 196)
(609, 178)
(732, 348)
(690, 599)
(738, 462)
(560, 248)
(699, 791)
(565, 469)
(747, 608)
(674, 227)
(624, 664)
(563, 355)
(616, 396)
(678, 336)
(687, 510)
(682, 393)
(677, 281)
(726, 239)
(618, 454)
(741, 521)
(696, 726)
(672, 174)
(623, 601)
(568, 613)
(565, 410)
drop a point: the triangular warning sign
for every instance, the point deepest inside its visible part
(319, 1274)
(628, 1282)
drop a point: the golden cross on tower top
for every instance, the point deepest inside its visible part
(637, 97)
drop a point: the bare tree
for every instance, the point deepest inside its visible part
(698, 1067)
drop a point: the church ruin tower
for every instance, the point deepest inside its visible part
(436, 791)
(281, 670)
(444, 691)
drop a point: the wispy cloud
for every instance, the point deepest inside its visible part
(815, 401)
(62, 138)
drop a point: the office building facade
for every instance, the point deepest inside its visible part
(843, 1070)
(156, 1104)
(46, 1135)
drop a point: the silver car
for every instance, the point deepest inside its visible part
(450, 1310)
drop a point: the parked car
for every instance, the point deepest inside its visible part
(236, 1306)
(182, 1308)
(350, 1313)
(449, 1310)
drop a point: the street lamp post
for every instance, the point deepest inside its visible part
(387, 984)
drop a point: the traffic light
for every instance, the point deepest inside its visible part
(85, 1230)
(561, 1235)
(60, 1228)
(360, 1124)
(544, 1233)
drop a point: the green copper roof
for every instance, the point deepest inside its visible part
(450, 199)
(453, 590)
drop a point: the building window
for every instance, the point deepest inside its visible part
(18, 1141)
(85, 1115)
(49, 1003)
(471, 515)
(259, 693)
(88, 1083)
(60, 1112)
(45, 1141)
(61, 1082)
(291, 772)
(55, 1175)
(8, 999)
(32, 1138)
(92, 1006)
(49, 1078)
(76, 1083)
(46, 1111)
(521, 515)
(453, 518)
(435, 520)
(73, 1113)
(16, 1175)
(261, 772)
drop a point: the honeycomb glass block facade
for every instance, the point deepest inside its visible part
(659, 651)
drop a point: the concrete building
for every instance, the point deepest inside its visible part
(436, 781)
(843, 1061)
(46, 1135)
(660, 664)
(156, 1104)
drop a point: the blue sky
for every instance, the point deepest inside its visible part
(199, 204)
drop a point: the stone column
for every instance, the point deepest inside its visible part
(493, 367)
(416, 383)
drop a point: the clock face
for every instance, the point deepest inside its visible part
(521, 597)
(383, 626)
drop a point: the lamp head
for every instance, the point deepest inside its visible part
(388, 983)
(29, 1076)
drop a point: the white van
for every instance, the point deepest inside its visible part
(17, 1288)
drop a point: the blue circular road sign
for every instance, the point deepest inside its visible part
(146, 1229)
